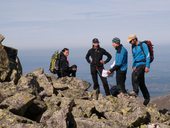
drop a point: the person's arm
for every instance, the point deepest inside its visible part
(119, 60)
(87, 57)
(147, 54)
(109, 57)
(64, 64)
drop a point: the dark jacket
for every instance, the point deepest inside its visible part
(63, 63)
(97, 55)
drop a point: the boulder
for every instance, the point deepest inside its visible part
(55, 104)
(90, 123)
(41, 100)
(10, 66)
(6, 90)
(29, 83)
(62, 118)
(43, 82)
(18, 103)
(72, 83)
(9, 120)
(74, 93)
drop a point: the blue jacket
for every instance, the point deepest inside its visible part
(121, 59)
(140, 57)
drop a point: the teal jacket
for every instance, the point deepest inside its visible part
(140, 57)
(121, 59)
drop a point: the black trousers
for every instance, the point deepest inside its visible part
(120, 80)
(138, 81)
(95, 71)
(69, 72)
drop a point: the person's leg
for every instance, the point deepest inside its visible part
(104, 82)
(73, 70)
(143, 87)
(105, 85)
(73, 73)
(95, 78)
(120, 80)
(64, 73)
(59, 74)
(135, 82)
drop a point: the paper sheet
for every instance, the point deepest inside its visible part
(104, 73)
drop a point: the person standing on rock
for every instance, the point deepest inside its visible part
(64, 69)
(120, 66)
(94, 57)
(140, 66)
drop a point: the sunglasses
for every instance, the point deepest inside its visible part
(131, 41)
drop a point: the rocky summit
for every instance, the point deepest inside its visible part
(41, 100)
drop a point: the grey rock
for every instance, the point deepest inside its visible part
(90, 123)
(38, 71)
(45, 84)
(65, 103)
(74, 83)
(6, 90)
(18, 103)
(55, 104)
(63, 118)
(9, 120)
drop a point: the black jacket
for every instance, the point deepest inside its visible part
(97, 55)
(63, 63)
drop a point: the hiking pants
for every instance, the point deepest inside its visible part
(138, 81)
(95, 72)
(120, 80)
(69, 72)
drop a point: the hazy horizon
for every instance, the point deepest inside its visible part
(157, 79)
(41, 24)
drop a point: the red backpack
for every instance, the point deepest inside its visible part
(150, 47)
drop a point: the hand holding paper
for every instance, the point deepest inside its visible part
(106, 73)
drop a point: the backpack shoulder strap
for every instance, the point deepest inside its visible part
(141, 46)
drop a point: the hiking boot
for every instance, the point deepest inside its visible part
(146, 101)
(133, 93)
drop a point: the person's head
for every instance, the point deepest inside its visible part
(1, 38)
(95, 42)
(65, 51)
(115, 42)
(132, 39)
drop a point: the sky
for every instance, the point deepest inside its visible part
(47, 24)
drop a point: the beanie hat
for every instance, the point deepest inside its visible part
(95, 40)
(116, 40)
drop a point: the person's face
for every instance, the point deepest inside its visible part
(95, 44)
(115, 45)
(66, 53)
(133, 41)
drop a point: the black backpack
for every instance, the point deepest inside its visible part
(114, 90)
